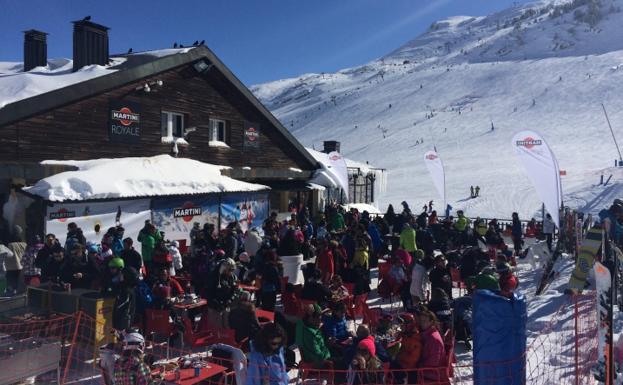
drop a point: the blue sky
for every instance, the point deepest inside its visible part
(260, 40)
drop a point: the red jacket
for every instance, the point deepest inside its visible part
(433, 354)
(508, 284)
(325, 262)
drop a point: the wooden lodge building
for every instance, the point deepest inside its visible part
(184, 102)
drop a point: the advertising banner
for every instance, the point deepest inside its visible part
(175, 216)
(437, 173)
(248, 209)
(95, 218)
(337, 166)
(542, 169)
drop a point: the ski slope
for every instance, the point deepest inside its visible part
(545, 66)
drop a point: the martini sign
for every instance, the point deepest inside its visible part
(187, 211)
(124, 122)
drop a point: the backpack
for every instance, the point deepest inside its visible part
(144, 297)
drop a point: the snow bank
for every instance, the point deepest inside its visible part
(136, 177)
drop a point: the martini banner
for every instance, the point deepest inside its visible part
(435, 167)
(542, 169)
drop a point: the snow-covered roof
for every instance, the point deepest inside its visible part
(324, 159)
(361, 207)
(159, 175)
(16, 85)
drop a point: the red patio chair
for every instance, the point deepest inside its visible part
(157, 323)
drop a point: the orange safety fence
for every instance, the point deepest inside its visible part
(563, 352)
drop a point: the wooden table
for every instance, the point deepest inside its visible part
(269, 315)
(187, 376)
(191, 305)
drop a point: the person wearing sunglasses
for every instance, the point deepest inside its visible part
(267, 364)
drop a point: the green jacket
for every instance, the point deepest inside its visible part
(311, 344)
(461, 223)
(407, 239)
(148, 244)
(338, 222)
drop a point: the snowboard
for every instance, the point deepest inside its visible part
(603, 282)
(552, 269)
(589, 250)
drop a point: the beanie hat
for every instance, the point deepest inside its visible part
(367, 344)
(487, 282)
(244, 257)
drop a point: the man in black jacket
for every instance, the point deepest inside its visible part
(220, 291)
(57, 268)
(440, 276)
(46, 252)
(130, 256)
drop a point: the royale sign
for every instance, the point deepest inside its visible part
(124, 122)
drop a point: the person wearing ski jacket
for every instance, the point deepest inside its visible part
(440, 276)
(252, 242)
(461, 222)
(508, 281)
(407, 238)
(433, 350)
(548, 230)
(375, 236)
(309, 337)
(130, 256)
(411, 346)
(267, 364)
(337, 222)
(149, 237)
(420, 284)
(516, 233)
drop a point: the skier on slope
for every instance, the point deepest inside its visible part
(471, 191)
(477, 190)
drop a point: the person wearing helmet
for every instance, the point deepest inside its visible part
(119, 282)
(130, 368)
(508, 281)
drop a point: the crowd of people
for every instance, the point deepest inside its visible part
(419, 254)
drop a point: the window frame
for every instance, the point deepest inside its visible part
(214, 130)
(171, 115)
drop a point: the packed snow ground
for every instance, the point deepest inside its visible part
(539, 66)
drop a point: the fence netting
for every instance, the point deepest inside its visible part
(57, 348)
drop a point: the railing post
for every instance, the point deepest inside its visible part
(577, 344)
(71, 348)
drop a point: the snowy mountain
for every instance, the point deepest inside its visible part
(545, 66)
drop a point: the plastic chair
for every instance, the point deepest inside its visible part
(360, 306)
(196, 339)
(157, 323)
